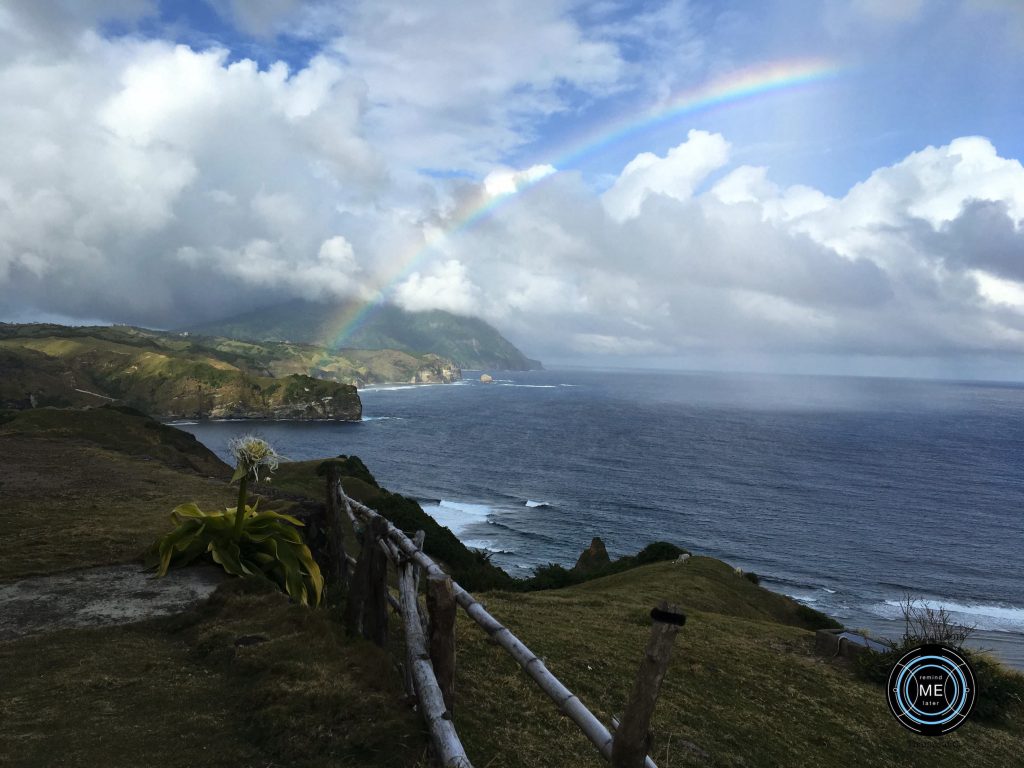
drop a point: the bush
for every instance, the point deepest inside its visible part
(752, 577)
(552, 576)
(999, 690)
(657, 552)
(815, 620)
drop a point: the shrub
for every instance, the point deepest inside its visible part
(752, 577)
(657, 552)
(999, 690)
(552, 576)
(815, 620)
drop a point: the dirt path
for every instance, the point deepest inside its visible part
(99, 597)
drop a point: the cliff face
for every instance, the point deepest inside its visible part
(442, 371)
(364, 367)
(297, 398)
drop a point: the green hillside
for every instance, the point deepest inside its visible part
(247, 679)
(174, 375)
(469, 341)
(161, 374)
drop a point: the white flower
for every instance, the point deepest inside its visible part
(251, 454)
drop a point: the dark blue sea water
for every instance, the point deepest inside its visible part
(845, 493)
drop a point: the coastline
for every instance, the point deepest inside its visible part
(696, 460)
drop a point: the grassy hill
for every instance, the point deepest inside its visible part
(250, 680)
(175, 376)
(469, 341)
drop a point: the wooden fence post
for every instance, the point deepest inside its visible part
(632, 737)
(366, 611)
(441, 610)
(418, 540)
(339, 571)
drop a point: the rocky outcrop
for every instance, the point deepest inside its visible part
(594, 558)
(440, 371)
(299, 398)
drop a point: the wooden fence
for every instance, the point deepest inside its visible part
(430, 639)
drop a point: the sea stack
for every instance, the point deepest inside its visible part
(485, 378)
(594, 558)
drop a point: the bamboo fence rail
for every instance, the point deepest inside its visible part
(442, 731)
(563, 698)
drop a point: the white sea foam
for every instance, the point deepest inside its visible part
(395, 387)
(488, 546)
(531, 386)
(181, 423)
(986, 616)
(532, 504)
(830, 591)
(457, 515)
(802, 598)
(383, 418)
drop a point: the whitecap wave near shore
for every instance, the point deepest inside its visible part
(457, 516)
(984, 616)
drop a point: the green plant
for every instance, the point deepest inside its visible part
(242, 540)
(1000, 690)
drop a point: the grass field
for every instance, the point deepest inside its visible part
(250, 680)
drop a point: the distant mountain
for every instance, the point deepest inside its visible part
(469, 341)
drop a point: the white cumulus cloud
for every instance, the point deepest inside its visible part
(676, 175)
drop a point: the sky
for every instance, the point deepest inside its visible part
(770, 185)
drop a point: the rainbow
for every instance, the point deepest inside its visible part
(740, 86)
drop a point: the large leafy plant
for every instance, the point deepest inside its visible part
(263, 544)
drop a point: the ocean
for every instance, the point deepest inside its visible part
(845, 493)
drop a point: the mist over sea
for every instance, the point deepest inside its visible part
(842, 492)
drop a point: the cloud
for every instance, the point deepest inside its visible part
(457, 85)
(907, 262)
(258, 17)
(48, 26)
(889, 10)
(124, 155)
(507, 181)
(446, 286)
(143, 181)
(676, 175)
